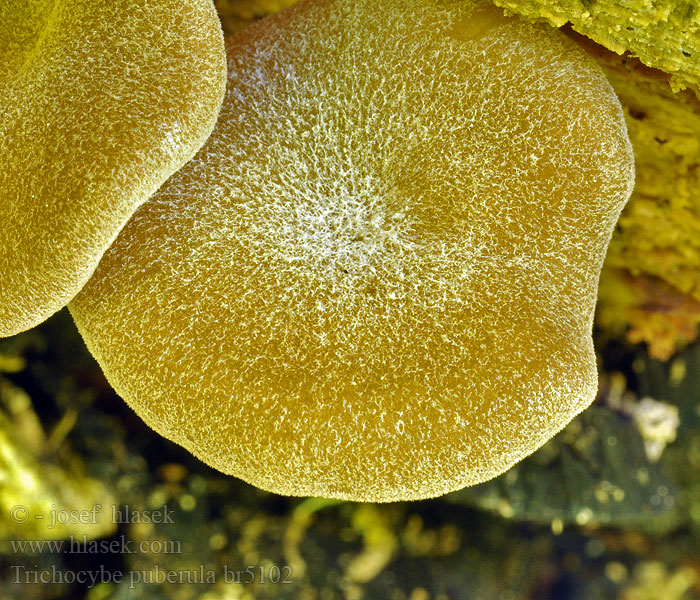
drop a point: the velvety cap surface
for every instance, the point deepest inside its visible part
(376, 280)
(101, 102)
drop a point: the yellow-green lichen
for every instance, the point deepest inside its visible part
(662, 33)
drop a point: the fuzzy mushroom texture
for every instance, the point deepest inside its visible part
(376, 280)
(101, 102)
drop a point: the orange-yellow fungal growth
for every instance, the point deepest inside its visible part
(101, 102)
(376, 279)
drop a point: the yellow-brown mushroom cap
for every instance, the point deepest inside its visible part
(376, 279)
(101, 102)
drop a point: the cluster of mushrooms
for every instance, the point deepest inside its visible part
(352, 252)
